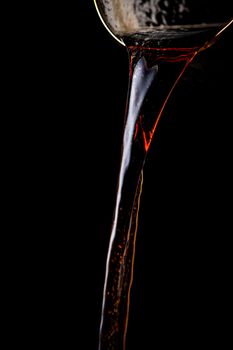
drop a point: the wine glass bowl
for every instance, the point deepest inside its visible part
(163, 17)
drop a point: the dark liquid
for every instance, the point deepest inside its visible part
(155, 68)
(153, 75)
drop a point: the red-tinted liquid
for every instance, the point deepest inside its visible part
(156, 65)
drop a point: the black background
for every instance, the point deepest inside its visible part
(71, 84)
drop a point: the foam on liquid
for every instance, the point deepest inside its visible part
(136, 15)
(130, 15)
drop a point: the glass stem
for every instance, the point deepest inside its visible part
(141, 119)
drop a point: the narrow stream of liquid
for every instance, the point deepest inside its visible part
(154, 72)
(149, 90)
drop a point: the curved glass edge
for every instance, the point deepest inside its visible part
(229, 23)
(105, 25)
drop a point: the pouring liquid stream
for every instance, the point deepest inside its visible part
(157, 61)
